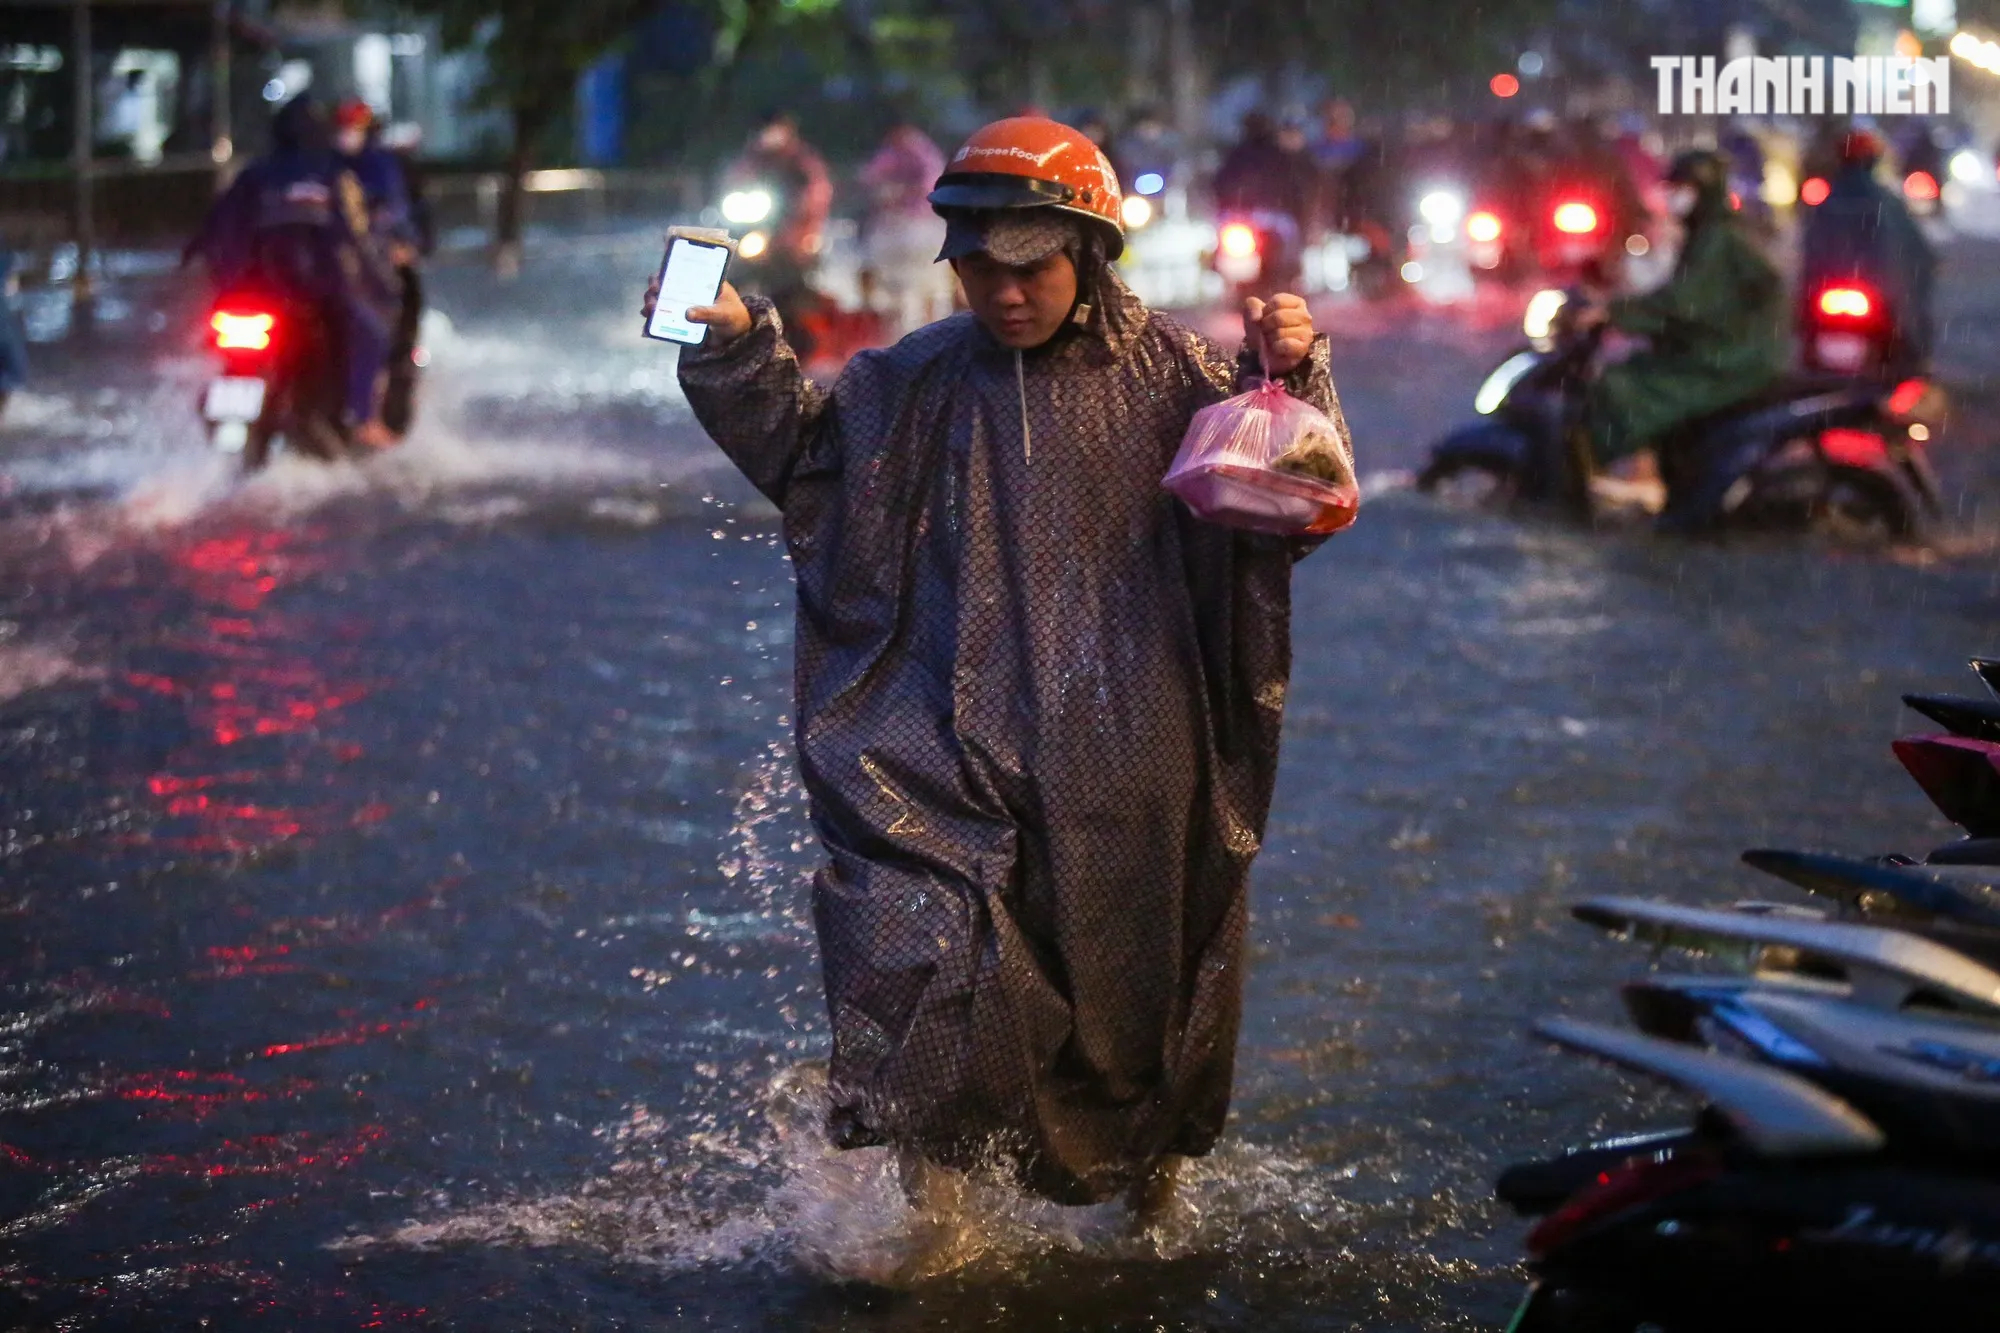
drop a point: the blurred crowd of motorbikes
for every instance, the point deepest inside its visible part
(318, 243)
(1334, 200)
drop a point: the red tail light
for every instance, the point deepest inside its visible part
(1626, 1186)
(1920, 185)
(1575, 217)
(1814, 192)
(1845, 302)
(1483, 228)
(1906, 397)
(242, 330)
(1238, 240)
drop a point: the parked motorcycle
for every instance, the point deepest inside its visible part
(1843, 453)
(1844, 1172)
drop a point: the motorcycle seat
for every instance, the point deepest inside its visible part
(1790, 389)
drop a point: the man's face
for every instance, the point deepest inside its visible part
(1021, 305)
(349, 140)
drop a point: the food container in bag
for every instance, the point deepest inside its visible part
(1269, 462)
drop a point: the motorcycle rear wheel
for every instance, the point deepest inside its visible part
(257, 447)
(1860, 507)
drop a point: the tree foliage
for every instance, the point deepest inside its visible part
(534, 52)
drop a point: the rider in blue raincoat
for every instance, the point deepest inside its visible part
(296, 220)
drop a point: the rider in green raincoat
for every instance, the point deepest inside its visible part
(1717, 326)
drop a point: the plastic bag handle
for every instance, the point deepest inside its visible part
(1263, 349)
(1264, 355)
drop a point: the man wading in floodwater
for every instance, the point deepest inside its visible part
(1038, 701)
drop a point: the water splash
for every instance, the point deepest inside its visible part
(780, 1196)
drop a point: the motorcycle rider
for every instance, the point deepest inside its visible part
(1716, 326)
(1148, 147)
(779, 160)
(1271, 186)
(392, 217)
(357, 140)
(297, 220)
(903, 232)
(1597, 166)
(1745, 152)
(1864, 233)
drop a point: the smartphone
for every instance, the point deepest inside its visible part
(691, 275)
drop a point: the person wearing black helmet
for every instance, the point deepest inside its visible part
(1862, 233)
(1716, 327)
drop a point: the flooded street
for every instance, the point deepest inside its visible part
(403, 913)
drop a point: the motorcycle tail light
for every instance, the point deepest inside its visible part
(1575, 218)
(1628, 1185)
(1903, 402)
(1920, 185)
(1814, 192)
(1849, 447)
(1845, 302)
(1483, 228)
(1238, 240)
(242, 330)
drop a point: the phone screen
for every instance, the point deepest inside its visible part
(692, 276)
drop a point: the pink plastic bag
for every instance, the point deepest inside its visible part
(1266, 461)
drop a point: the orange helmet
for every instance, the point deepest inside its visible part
(1034, 162)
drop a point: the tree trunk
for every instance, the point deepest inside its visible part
(510, 218)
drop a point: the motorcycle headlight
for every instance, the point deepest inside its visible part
(753, 245)
(1542, 309)
(1442, 208)
(741, 207)
(1502, 381)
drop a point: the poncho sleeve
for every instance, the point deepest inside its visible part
(755, 401)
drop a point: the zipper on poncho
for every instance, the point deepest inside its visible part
(1021, 387)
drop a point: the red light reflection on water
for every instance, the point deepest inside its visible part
(195, 1095)
(257, 1155)
(253, 674)
(351, 1037)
